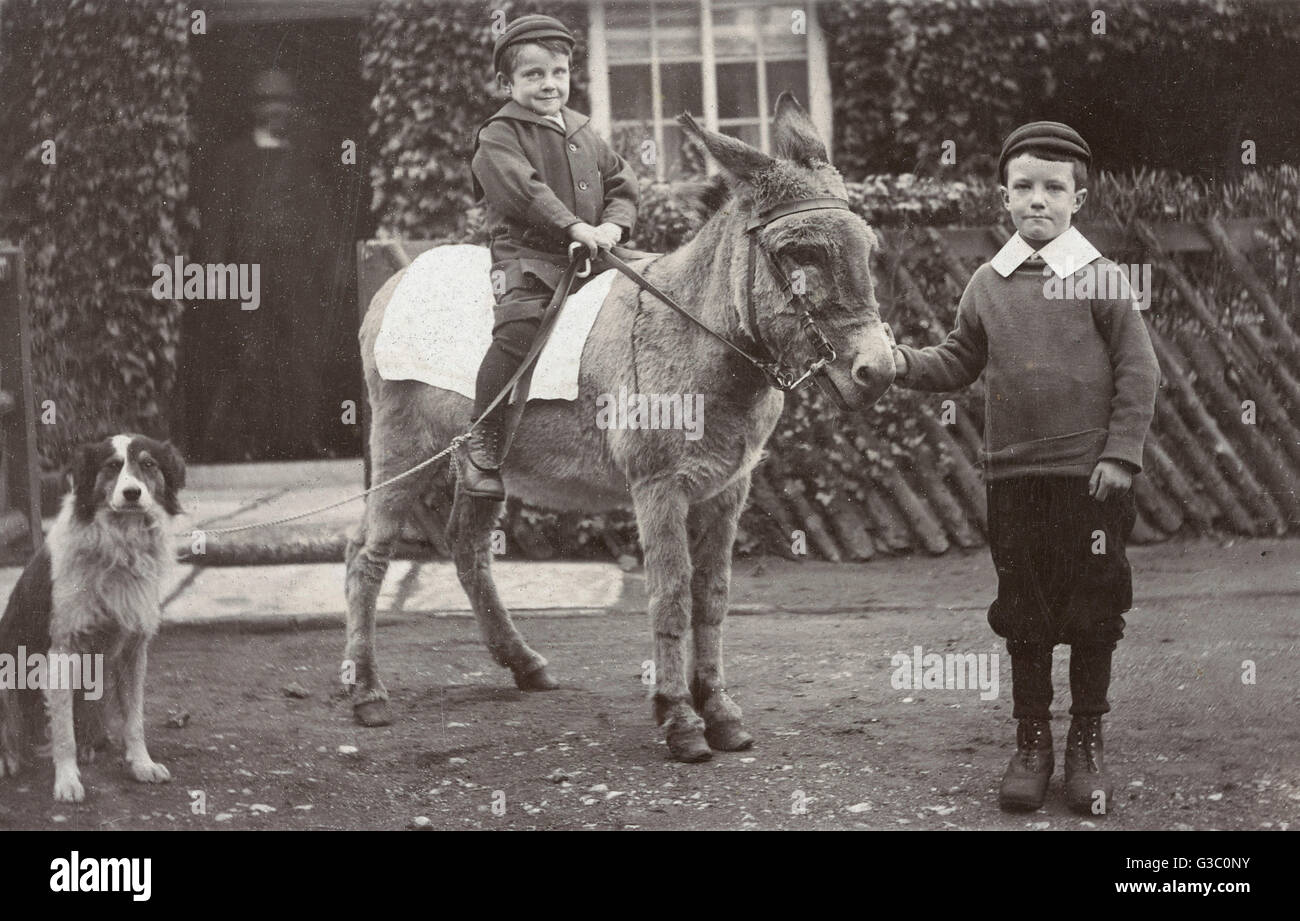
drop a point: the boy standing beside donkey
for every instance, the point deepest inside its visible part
(1071, 387)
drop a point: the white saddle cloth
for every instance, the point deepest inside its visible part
(438, 326)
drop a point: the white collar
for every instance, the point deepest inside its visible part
(558, 119)
(1065, 255)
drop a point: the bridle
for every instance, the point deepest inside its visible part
(776, 372)
(780, 376)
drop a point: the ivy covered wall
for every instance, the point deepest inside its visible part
(1175, 84)
(95, 136)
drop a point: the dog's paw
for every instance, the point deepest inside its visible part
(150, 772)
(68, 789)
(10, 764)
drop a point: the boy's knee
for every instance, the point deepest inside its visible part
(516, 337)
(1099, 631)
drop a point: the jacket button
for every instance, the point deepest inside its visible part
(583, 185)
(573, 147)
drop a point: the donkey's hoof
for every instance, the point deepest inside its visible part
(539, 679)
(373, 713)
(728, 737)
(688, 746)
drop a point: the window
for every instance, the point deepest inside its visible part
(725, 61)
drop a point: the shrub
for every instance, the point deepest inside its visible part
(97, 133)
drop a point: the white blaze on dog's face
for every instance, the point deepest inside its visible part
(128, 474)
(132, 490)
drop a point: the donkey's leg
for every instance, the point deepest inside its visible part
(368, 554)
(661, 512)
(712, 526)
(469, 532)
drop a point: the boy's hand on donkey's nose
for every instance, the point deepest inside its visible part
(900, 360)
(1109, 478)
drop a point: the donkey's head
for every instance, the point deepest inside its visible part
(824, 252)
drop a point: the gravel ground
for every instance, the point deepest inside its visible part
(1191, 744)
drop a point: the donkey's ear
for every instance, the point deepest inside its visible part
(794, 135)
(706, 198)
(735, 156)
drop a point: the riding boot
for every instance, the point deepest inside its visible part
(489, 439)
(1088, 786)
(483, 472)
(1024, 784)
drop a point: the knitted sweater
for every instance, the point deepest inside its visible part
(1069, 380)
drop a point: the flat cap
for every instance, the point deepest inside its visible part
(1054, 136)
(531, 28)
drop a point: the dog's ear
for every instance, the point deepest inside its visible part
(173, 468)
(84, 470)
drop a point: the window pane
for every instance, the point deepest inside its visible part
(734, 31)
(778, 33)
(677, 29)
(787, 77)
(738, 90)
(627, 30)
(681, 88)
(629, 92)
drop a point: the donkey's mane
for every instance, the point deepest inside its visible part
(782, 181)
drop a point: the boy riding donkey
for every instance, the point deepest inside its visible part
(548, 180)
(1071, 387)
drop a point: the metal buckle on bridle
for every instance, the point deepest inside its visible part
(783, 378)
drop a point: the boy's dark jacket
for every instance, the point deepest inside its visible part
(537, 181)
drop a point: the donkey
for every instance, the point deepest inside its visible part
(687, 493)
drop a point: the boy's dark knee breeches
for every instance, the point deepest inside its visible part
(1063, 572)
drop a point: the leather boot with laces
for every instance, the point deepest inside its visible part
(483, 472)
(1088, 786)
(1024, 784)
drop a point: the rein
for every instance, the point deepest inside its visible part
(773, 369)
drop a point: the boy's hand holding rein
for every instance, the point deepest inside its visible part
(1109, 478)
(595, 238)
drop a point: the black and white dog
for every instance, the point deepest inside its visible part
(92, 595)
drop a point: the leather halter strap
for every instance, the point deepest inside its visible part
(787, 208)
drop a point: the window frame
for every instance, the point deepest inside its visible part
(818, 103)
